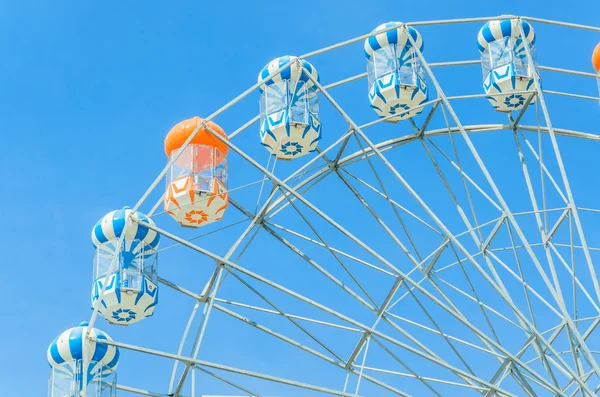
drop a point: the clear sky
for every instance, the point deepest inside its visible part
(89, 89)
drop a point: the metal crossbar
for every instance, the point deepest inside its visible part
(469, 291)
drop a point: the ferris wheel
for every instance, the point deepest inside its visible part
(374, 234)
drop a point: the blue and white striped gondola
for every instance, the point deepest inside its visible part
(66, 357)
(506, 69)
(131, 289)
(396, 82)
(289, 108)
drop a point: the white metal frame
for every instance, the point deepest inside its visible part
(552, 371)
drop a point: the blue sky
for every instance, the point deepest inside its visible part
(88, 91)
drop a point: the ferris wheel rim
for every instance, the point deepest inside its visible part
(380, 146)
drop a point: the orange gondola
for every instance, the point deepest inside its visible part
(196, 192)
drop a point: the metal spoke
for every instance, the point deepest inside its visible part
(474, 281)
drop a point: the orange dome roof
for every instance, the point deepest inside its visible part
(596, 58)
(182, 131)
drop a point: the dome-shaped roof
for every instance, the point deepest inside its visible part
(292, 72)
(68, 347)
(497, 29)
(596, 58)
(397, 36)
(182, 131)
(108, 230)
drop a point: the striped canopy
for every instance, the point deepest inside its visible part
(108, 230)
(67, 348)
(496, 30)
(397, 36)
(292, 72)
